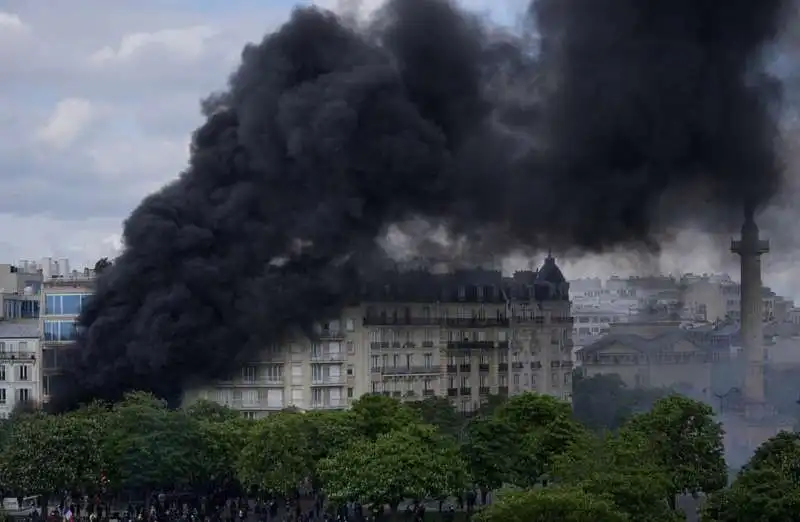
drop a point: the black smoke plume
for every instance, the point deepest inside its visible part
(577, 133)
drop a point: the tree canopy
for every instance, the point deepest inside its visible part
(531, 451)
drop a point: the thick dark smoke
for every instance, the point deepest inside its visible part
(327, 134)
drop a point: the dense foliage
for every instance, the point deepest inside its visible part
(531, 453)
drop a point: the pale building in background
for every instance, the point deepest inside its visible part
(20, 369)
(463, 336)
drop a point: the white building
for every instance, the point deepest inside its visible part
(20, 370)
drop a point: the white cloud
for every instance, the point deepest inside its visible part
(11, 22)
(189, 43)
(69, 119)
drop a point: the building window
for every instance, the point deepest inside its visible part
(395, 361)
(249, 374)
(63, 331)
(568, 378)
(465, 381)
(274, 372)
(426, 384)
(351, 348)
(428, 357)
(249, 415)
(2, 372)
(451, 382)
(516, 379)
(349, 393)
(484, 380)
(2, 395)
(409, 360)
(65, 304)
(376, 362)
(503, 380)
(23, 395)
(23, 373)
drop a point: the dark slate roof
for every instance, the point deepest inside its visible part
(13, 330)
(645, 345)
(550, 273)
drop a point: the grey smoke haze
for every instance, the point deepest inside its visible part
(621, 121)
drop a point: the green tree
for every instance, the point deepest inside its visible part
(415, 462)
(222, 431)
(439, 412)
(330, 432)
(685, 441)
(205, 410)
(620, 471)
(101, 265)
(149, 447)
(277, 454)
(375, 415)
(767, 488)
(44, 454)
(764, 494)
(487, 449)
(557, 504)
(541, 428)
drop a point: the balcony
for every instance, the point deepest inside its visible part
(529, 320)
(409, 370)
(329, 404)
(328, 357)
(484, 390)
(384, 320)
(250, 382)
(484, 367)
(239, 404)
(465, 391)
(427, 344)
(452, 392)
(465, 367)
(536, 365)
(330, 335)
(476, 322)
(555, 364)
(18, 356)
(397, 394)
(502, 390)
(428, 393)
(470, 345)
(563, 320)
(517, 365)
(327, 380)
(502, 367)
(452, 368)
(502, 344)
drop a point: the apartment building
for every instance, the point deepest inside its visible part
(61, 301)
(17, 280)
(462, 335)
(20, 357)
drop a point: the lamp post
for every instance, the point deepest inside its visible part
(723, 396)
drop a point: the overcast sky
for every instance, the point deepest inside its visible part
(99, 97)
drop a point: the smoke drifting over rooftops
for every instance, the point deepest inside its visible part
(620, 118)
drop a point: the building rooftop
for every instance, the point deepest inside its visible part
(478, 285)
(19, 330)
